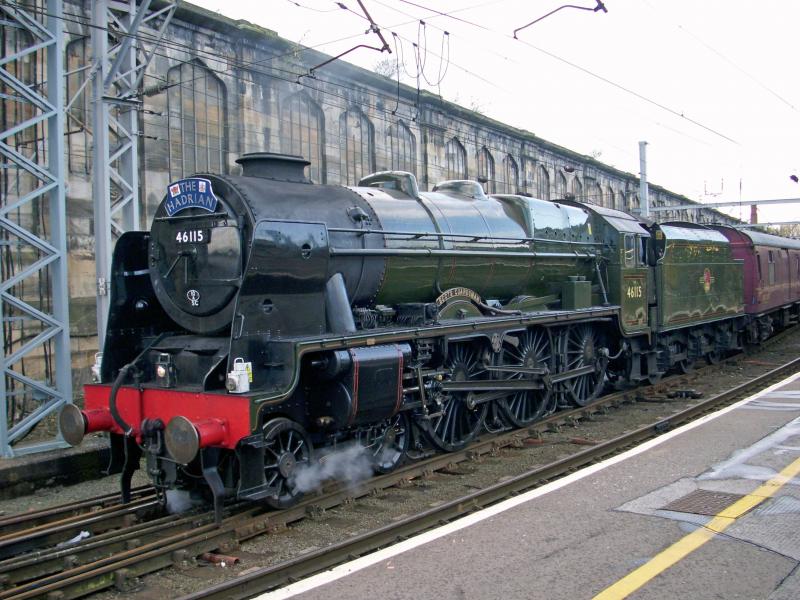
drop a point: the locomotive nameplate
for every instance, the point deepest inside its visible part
(458, 292)
(192, 192)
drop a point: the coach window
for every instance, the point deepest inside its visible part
(771, 268)
(630, 250)
(758, 260)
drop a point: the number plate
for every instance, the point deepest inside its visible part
(193, 236)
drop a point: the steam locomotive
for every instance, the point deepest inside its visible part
(264, 318)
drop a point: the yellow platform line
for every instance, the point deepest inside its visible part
(685, 546)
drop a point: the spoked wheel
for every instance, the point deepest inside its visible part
(387, 442)
(286, 450)
(457, 419)
(581, 346)
(533, 351)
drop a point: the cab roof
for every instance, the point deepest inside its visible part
(618, 220)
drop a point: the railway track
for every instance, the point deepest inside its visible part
(117, 554)
(270, 578)
(14, 523)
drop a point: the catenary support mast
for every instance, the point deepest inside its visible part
(37, 377)
(120, 63)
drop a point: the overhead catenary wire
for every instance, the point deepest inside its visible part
(234, 65)
(726, 59)
(499, 55)
(552, 55)
(590, 73)
(476, 141)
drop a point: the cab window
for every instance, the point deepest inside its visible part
(642, 256)
(630, 250)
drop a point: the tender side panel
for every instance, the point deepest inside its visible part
(696, 278)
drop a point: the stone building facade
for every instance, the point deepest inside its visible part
(218, 88)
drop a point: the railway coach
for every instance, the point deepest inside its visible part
(771, 279)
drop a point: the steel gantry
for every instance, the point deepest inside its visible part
(37, 378)
(120, 59)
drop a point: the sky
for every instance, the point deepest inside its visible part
(713, 86)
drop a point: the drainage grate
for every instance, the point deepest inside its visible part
(703, 502)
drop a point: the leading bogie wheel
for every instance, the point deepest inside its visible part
(387, 442)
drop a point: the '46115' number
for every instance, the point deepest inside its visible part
(192, 236)
(634, 291)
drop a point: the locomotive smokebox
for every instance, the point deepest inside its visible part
(269, 165)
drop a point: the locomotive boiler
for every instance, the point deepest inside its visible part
(264, 318)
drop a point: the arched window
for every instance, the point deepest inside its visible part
(543, 183)
(197, 120)
(561, 186)
(455, 160)
(577, 190)
(620, 203)
(303, 132)
(403, 148)
(486, 170)
(509, 182)
(595, 195)
(527, 181)
(609, 198)
(356, 145)
(633, 203)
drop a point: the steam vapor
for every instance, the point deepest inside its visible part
(179, 501)
(350, 465)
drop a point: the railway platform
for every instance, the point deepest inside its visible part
(709, 510)
(27, 473)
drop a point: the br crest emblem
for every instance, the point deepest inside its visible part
(193, 296)
(707, 279)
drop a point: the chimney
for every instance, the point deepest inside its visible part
(269, 165)
(753, 214)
